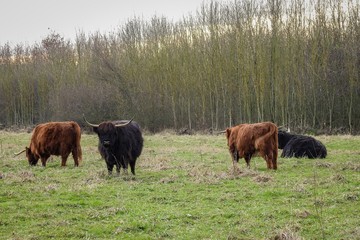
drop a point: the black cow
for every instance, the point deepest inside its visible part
(299, 146)
(120, 143)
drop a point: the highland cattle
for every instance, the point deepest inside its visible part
(247, 140)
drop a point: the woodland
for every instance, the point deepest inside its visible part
(295, 63)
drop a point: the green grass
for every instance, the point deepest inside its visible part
(184, 189)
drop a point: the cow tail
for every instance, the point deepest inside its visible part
(267, 136)
(79, 150)
(273, 131)
(276, 143)
(78, 145)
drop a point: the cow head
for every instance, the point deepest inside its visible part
(32, 158)
(107, 134)
(229, 137)
(108, 131)
(228, 132)
(230, 141)
(283, 138)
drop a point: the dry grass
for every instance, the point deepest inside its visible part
(288, 233)
(352, 166)
(156, 163)
(22, 177)
(203, 174)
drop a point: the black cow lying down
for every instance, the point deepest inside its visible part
(299, 146)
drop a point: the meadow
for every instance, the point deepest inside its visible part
(184, 188)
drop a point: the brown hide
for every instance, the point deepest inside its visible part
(247, 140)
(55, 138)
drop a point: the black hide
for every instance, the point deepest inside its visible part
(119, 146)
(300, 146)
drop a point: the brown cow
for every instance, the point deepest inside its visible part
(55, 138)
(246, 140)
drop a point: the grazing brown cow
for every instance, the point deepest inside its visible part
(54, 138)
(246, 140)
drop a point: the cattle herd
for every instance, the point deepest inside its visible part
(121, 143)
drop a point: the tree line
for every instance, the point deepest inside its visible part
(295, 63)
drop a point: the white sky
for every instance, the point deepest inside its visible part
(29, 21)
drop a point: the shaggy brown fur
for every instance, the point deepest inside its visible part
(55, 138)
(247, 140)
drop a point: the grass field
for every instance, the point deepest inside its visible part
(184, 189)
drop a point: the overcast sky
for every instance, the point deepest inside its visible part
(29, 21)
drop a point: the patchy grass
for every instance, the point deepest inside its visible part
(185, 188)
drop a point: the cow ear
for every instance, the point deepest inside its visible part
(95, 129)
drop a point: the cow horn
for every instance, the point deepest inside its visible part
(124, 124)
(220, 132)
(16, 154)
(90, 124)
(283, 128)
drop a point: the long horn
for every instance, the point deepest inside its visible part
(220, 132)
(90, 124)
(16, 154)
(124, 124)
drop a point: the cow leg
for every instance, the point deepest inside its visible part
(132, 166)
(274, 163)
(274, 159)
(113, 160)
(266, 157)
(247, 160)
(270, 161)
(118, 169)
(110, 168)
(235, 159)
(63, 160)
(43, 161)
(75, 157)
(124, 164)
